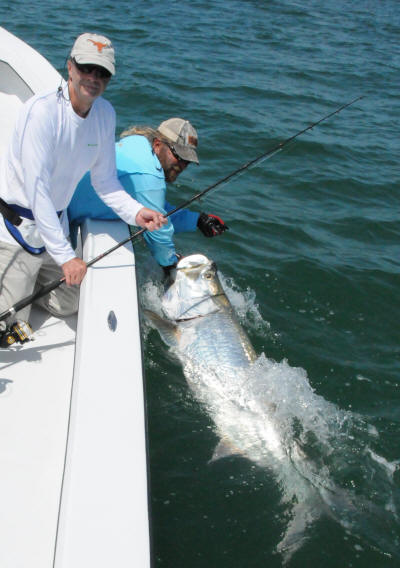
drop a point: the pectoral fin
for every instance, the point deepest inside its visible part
(224, 449)
(168, 331)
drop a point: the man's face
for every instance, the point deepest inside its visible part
(87, 81)
(170, 161)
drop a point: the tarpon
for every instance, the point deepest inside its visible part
(203, 330)
(264, 411)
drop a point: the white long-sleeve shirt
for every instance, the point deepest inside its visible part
(50, 150)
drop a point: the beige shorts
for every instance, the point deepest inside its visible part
(22, 273)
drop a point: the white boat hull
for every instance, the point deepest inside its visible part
(73, 457)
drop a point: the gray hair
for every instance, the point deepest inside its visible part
(150, 133)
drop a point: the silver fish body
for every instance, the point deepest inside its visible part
(218, 361)
(217, 358)
(204, 323)
(252, 401)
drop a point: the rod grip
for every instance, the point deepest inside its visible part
(45, 289)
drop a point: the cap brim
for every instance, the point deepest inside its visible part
(186, 153)
(93, 60)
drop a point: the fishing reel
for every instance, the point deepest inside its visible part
(19, 332)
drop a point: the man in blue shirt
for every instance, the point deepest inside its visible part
(147, 158)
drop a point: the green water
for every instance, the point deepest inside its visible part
(311, 260)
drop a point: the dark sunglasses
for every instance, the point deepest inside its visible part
(175, 155)
(88, 68)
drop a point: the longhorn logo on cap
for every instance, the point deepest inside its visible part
(98, 44)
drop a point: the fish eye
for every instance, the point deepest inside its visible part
(208, 275)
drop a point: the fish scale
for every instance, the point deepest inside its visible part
(229, 349)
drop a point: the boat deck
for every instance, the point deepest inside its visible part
(73, 455)
(34, 410)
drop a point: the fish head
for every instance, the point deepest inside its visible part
(194, 289)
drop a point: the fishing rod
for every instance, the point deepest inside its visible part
(55, 283)
(263, 156)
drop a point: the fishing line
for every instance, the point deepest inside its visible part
(60, 89)
(262, 157)
(260, 161)
(201, 300)
(266, 155)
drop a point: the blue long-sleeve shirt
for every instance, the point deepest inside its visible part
(142, 176)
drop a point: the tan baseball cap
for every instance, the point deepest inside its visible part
(94, 49)
(183, 137)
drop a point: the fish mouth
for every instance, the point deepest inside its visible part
(193, 261)
(195, 266)
(194, 283)
(196, 263)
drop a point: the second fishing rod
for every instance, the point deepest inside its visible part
(267, 154)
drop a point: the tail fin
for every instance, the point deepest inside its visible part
(302, 516)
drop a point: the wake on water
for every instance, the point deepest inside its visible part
(320, 455)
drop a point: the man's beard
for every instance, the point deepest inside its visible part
(171, 174)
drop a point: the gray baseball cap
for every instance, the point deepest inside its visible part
(94, 49)
(183, 137)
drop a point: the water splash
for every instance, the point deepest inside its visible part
(321, 456)
(245, 306)
(318, 453)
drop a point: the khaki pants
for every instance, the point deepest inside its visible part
(21, 273)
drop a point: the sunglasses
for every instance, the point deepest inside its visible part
(175, 155)
(88, 68)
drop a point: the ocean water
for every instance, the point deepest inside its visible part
(311, 262)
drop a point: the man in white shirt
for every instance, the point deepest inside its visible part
(58, 137)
